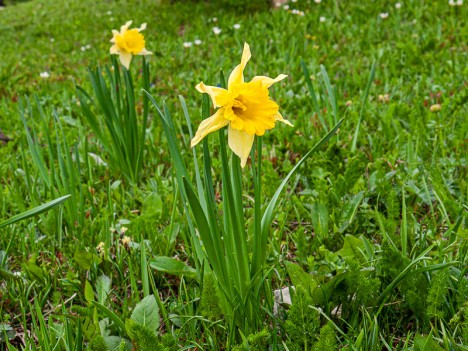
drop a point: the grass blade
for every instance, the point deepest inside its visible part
(35, 211)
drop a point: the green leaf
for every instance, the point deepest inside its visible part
(364, 101)
(86, 259)
(90, 330)
(35, 211)
(350, 209)
(88, 292)
(6, 330)
(320, 219)
(353, 249)
(103, 287)
(300, 278)
(34, 272)
(146, 313)
(312, 94)
(112, 316)
(172, 266)
(113, 343)
(422, 343)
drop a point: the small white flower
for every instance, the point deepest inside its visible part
(216, 30)
(398, 5)
(44, 75)
(83, 48)
(109, 12)
(459, 2)
(383, 15)
(317, 1)
(52, 40)
(322, 19)
(214, 19)
(293, 0)
(452, 3)
(187, 44)
(197, 42)
(236, 26)
(88, 46)
(286, 7)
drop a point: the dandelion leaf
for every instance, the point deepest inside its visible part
(301, 278)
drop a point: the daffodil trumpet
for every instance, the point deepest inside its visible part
(128, 42)
(245, 107)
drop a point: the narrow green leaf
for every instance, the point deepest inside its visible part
(112, 316)
(144, 269)
(364, 101)
(404, 226)
(35, 211)
(314, 97)
(171, 265)
(350, 210)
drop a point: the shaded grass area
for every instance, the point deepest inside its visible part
(382, 229)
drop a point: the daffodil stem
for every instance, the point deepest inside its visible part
(258, 248)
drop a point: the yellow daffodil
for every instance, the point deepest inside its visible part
(245, 106)
(128, 42)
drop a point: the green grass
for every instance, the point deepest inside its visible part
(371, 230)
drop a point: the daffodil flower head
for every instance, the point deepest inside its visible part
(245, 107)
(128, 42)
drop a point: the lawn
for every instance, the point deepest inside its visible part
(345, 229)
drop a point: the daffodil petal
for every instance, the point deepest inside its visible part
(125, 59)
(237, 75)
(145, 52)
(124, 28)
(267, 81)
(209, 125)
(279, 117)
(217, 94)
(114, 49)
(142, 27)
(240, 143)
(114, 34)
